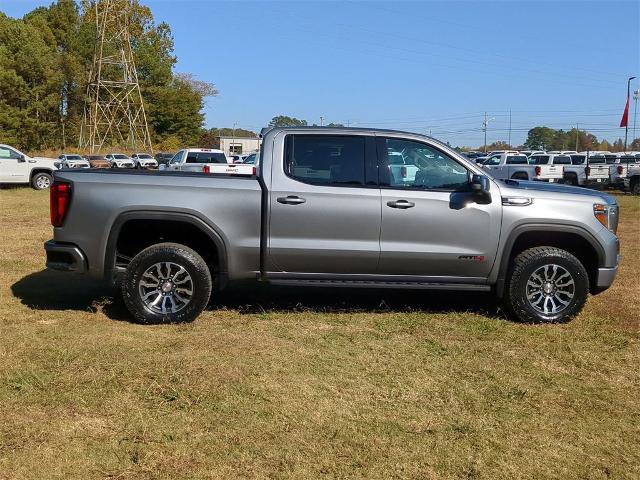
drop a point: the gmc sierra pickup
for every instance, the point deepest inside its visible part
(329, 207)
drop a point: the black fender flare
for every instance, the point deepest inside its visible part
(539, 227)
(122, 218)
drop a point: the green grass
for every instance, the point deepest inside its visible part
(314, 384)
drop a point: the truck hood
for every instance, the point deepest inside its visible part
(523, 186)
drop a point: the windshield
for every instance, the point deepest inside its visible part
(597, 160)
(119, 156)
(539, 160)
(578, 159)
(562, 160)
(144, 155)
(206, 157)
(251, 159)
(74, 157)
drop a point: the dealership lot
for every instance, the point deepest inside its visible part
(307, 384)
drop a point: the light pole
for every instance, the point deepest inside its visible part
(626, 127)
(636, 94)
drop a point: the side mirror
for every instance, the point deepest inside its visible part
(480, 183)
(21, 159)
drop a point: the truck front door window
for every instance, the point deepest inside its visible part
(410, 164)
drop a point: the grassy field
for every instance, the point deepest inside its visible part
(321, 384)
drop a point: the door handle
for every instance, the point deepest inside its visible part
(402, 204)
(291, 200)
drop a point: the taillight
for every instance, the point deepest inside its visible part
(254, 171)
(538, 171)
(206, 169)
(620, 169)
(403, 172)
(587, 170)
(60, 198)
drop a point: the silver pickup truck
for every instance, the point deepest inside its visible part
(327, 207)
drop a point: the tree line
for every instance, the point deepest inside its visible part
(45, 58)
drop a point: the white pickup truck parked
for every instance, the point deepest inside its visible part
(208, 161)
(17, 167)
(618, 171)
(519, 167)
(632, 179)
(585, 173)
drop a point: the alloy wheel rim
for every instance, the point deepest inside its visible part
(165, 287)
(43, 182)
(550, 289)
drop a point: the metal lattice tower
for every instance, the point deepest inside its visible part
(114, 111)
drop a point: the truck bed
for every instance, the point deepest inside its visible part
(229, 205)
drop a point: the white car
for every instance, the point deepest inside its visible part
(72, 160)
(17, 167)
(120, 160)
(618, 171)
(528, 153)
(144, 160)
(207, 160)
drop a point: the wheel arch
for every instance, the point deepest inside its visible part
(573, 239)
(520, 175)
(193, 232)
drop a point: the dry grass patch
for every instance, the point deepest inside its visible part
(282, 384)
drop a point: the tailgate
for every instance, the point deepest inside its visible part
(599, 171)
(231, 168)
(551, 172)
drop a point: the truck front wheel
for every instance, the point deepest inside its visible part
(546, 285)
(41, 181)
(166, 283)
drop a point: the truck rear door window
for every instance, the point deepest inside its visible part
(578, 159)
(325, 159)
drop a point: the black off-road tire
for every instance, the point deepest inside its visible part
(524, 266)
(176, 254)
(635, 186)
(41, 181)
(573, 181)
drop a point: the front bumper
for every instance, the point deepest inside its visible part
(65, 257)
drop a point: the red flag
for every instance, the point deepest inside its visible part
(625, 116)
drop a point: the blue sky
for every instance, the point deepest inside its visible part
(420, 66)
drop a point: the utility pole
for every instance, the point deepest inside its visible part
(233, 139)
(484, 127)
(321, 121)
(509, 128)
(626, 127)
(577, 134)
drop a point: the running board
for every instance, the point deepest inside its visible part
(397, 285)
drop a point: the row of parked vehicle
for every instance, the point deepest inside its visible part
(17, 167)
(586, 169)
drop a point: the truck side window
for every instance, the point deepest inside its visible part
(176, 158)
(422, 167)
(325, 159)
(8, 153)
(517, 160)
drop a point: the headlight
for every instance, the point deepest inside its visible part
(607, 215)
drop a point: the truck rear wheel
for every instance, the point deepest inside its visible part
(166, 283)
(635, 186)
(546, 285)
(41, 181)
